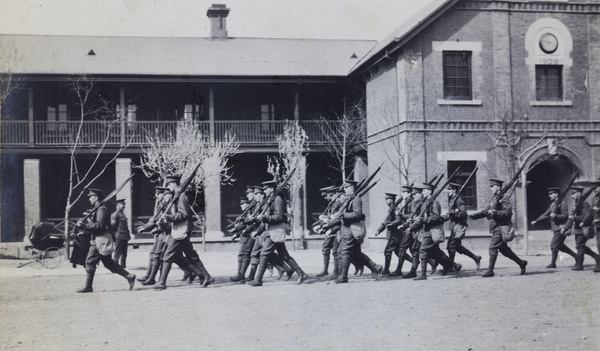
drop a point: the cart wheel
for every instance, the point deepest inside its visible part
(52, 257)
(37, 262)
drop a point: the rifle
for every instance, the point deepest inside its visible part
(105, 200)
(392, 209)
(361, 189)
(151, 224)
(318, 225)
(563, 194)
(453, 200)
(432, 198)
(181, 189)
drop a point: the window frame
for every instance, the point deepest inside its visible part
(546, 77)
(446, 88)
(469, 194)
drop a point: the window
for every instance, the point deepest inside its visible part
(469, 193)
(457, 75)
(51, 115)
(191, 111)
(131, 117)
(548, 82)
(267, 114)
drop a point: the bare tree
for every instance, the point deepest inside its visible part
(345, 135)
(9, 82)
(104, 118)
(293, 145)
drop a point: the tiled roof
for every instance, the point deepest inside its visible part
(41, 54)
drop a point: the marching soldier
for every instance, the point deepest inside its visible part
(118, 221)
(457, 214)
(402, 214)
(158, 235)
(499, 212)
(175, 248)
(349, 243)
(101, 245)
(330, 242)
(430, 219)
(558, 214)
(392, 245)
(277, 228)
(580, 219)
(409, 242)
(247, 205)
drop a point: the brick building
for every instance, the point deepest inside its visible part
(494, 83)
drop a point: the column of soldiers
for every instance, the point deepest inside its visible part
(413, 222)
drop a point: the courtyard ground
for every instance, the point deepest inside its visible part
(544, 310)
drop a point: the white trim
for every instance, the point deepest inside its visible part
(479, 156)
(459, 102)
(551, 103)
(456, 46)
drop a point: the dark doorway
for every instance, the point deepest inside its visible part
(556, 171)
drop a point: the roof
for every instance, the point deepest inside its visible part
(45, 54)
(408, 29)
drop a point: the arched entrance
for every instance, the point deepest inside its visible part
(553, 171)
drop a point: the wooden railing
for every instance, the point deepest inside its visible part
(45, 133)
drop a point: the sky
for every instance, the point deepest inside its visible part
(319, 19)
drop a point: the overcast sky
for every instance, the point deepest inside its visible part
(327, 19)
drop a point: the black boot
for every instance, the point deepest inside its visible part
(152, 276)
(490, 271)
(336, 268)
(423, 275)
(164, 273)
(89, 280)
(386, 267)
(578, 263)
(262, 267)
(553, 260)
(198, 269)
(294, 265)
(433, 263)
(344, 267)
(244, 268)
(568, 251)
(252, 272)
(238, 276)
(513, 256)
(398, 271)
(413, 269)
(325, 266)
(130, 277)
(451, 255)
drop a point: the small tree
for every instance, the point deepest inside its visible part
(9, 83)
(293, 145)
(93, 106)
(345, 135)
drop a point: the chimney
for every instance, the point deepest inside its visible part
(218, 21)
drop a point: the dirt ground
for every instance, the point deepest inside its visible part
(544, 310)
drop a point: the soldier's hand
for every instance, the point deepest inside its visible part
(533, 222)
(552, 215)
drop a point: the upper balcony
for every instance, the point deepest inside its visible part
(63, 133)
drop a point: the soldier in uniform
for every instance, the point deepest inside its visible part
(120, 227)
(246, 242)
(349, 243)
(273, 238)
(430, 219)
(596, 220)
(175, 249)
(408, 241)
(580, 218)
(558, 214)
(393, 240)
(457, 214)
(402, 214)
(159, 241)
(100, 248)
(499, 212)
(330, 242)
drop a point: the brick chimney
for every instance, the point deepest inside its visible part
(218, 21)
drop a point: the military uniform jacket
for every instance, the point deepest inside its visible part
(352, 214)
(431, 215)
(502, 215)
(414, 209)
(457, 212)
(335, 223)
(118, 220)
(560, 210)
(277, 212)
(98, 223)
(596, 204)
(582, 213)
(181, 214)
(387, 224)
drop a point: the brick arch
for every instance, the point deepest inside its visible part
(560, 31)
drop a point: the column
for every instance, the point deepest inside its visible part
(212, 198)
(31, 194)
(122, 172)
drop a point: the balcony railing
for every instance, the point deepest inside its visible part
(56, 133)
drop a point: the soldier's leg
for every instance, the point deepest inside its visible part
(195, 263)
(91, 261)
(254, 258)
(336, 257)
(267, 251)
(493, 251)
(346, 251)
(506, 251)
(580, 241)
(112, 266)
(326, 249)
(464, 251)
(415, 250)
(387, 254)
(240, 256)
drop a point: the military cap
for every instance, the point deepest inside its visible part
(249, 189)
(168, 191)
(390, 196)
(428, 186)
(173, 179)
(120, 201)
(406, 188)
(577, 188)
(259, 189)
(416, 190)
(328, 189)
(243, 200)
(160, 189)
(555, 190)
(95, 192)
(269, 184)
(496, 182)
(454, 186)
(348, 183)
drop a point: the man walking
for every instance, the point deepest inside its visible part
(580, 218)
(120, 227)
(457, 214)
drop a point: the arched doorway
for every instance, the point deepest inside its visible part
(553, 171)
